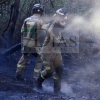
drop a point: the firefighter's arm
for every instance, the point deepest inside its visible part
(47, 39)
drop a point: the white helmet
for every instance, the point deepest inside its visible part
(61, 16)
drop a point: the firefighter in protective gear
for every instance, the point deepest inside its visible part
(30, 32)
(50, 54)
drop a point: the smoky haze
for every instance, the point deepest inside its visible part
(85, 25)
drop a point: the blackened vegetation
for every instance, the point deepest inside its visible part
(81, 71)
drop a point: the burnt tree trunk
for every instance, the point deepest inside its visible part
(13, 19)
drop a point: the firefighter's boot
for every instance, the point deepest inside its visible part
(39, 82)
(57, 79)
(57, 85)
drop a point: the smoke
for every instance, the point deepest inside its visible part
(83, 25)
(88, 78)
(47, 88)
(65, 88)
(86, 25)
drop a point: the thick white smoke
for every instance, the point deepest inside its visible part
(88, 25)
(47, 88)
(66, 88)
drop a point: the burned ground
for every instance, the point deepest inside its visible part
(80, 80)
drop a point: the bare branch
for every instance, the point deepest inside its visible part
(3, 1)
(52, 4)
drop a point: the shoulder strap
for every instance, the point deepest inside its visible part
(49, 25)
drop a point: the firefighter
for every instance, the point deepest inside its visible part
(50, 54)
(30, 31)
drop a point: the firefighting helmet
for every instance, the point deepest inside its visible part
(61, 13)
(38, 8)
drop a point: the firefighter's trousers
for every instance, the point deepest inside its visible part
(53, 63)
(22, 62)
